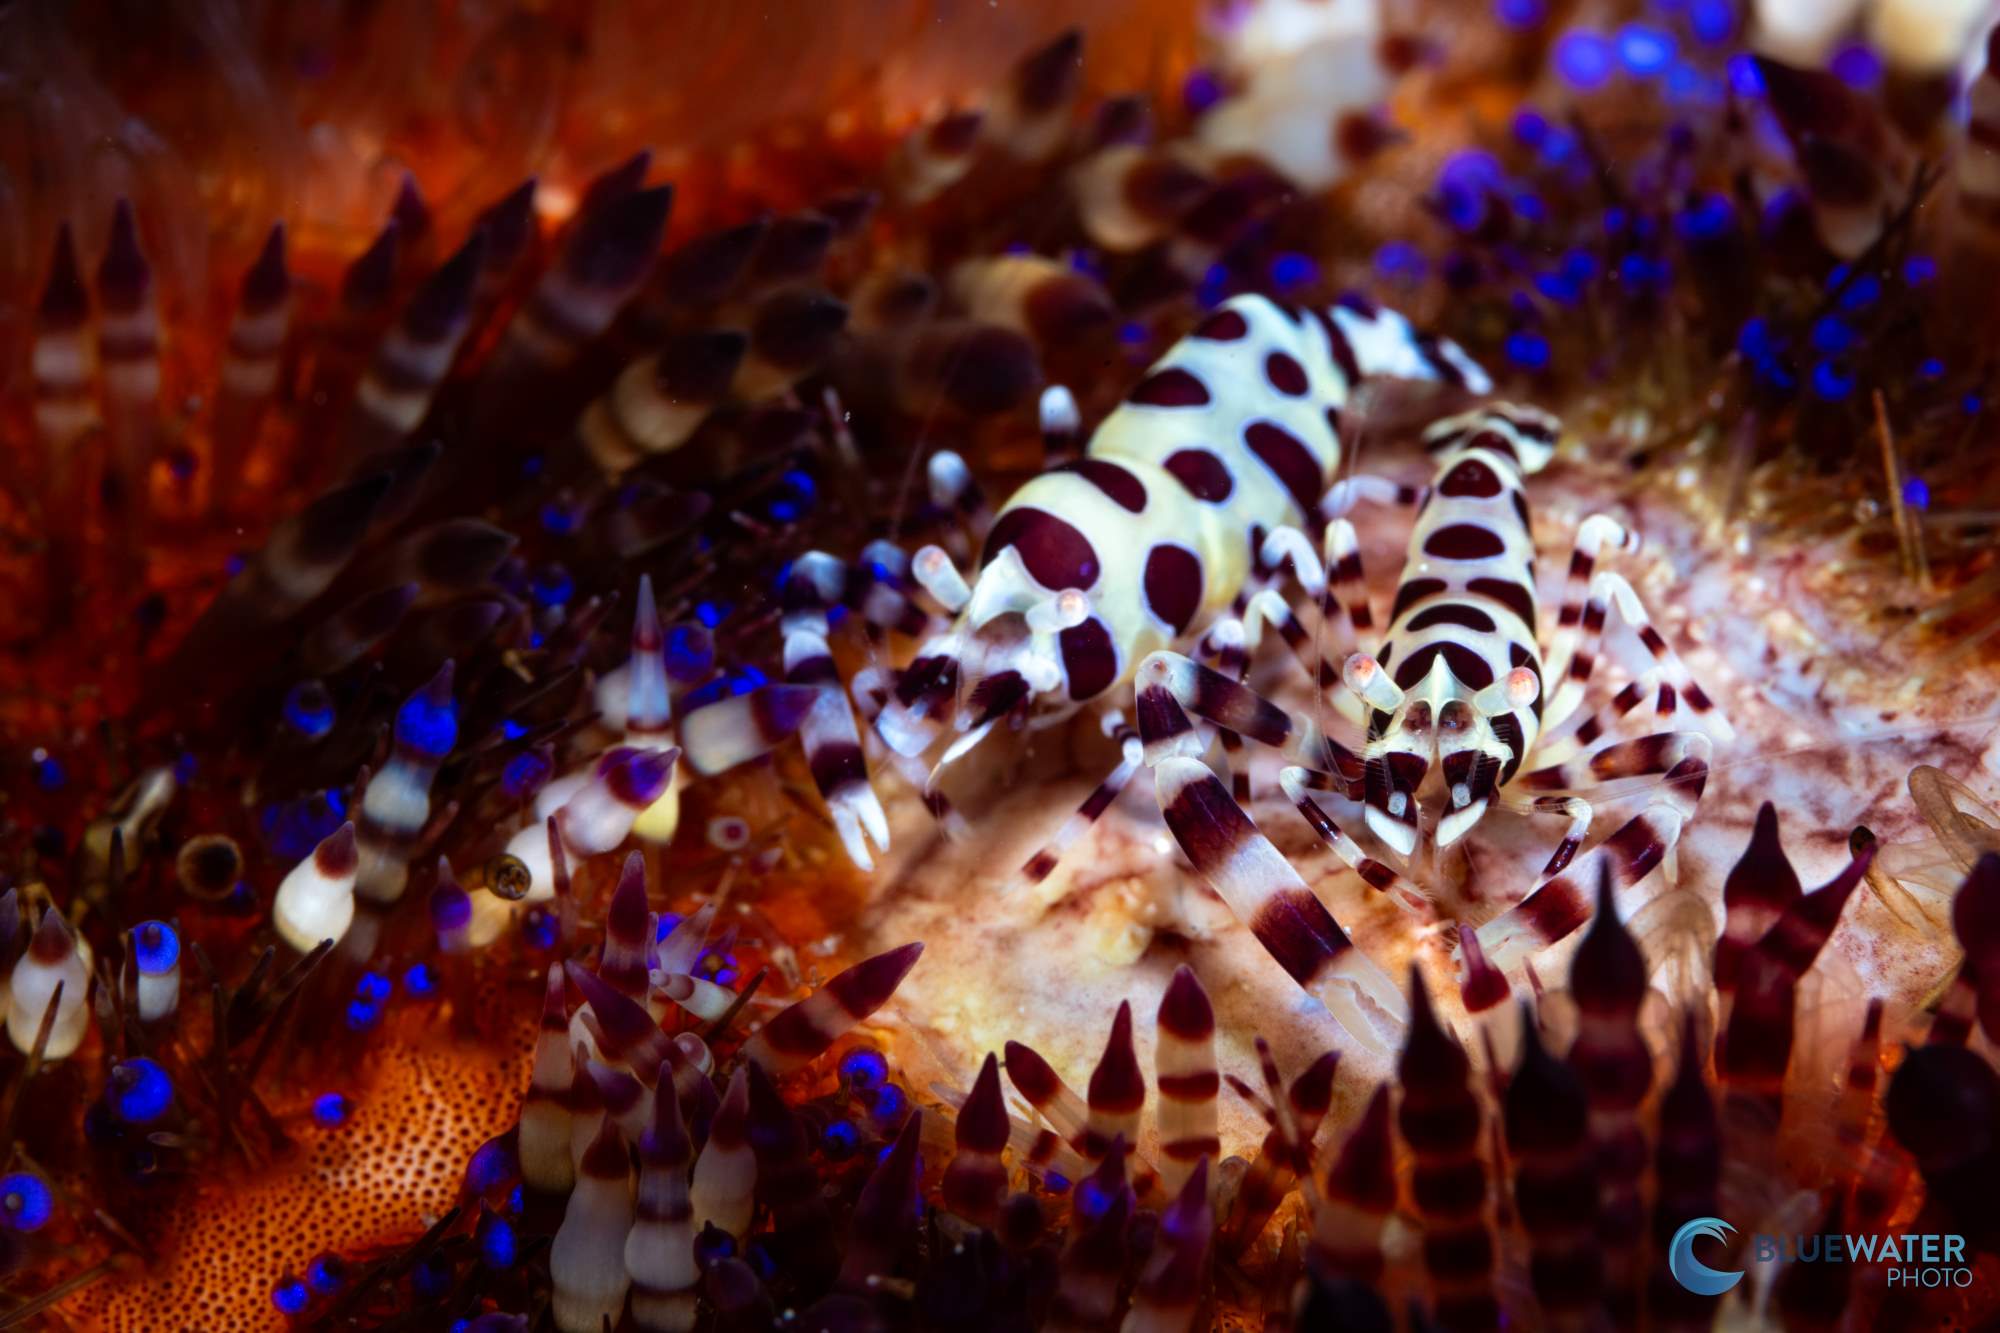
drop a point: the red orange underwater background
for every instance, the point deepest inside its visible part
(1294, 664)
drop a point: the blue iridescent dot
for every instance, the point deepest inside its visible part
(374, 987)
(1863, 292)
(233, 566)
(1616, 220)
(49, 773)
(1055, 1182)
(156, 947)
(1529, 207)
(491, 1164)
(558, 519)
(712, 1244)
(1558, 287)
(1645, 50)
(1400, 259)
(145, 1091)
(361, 1014)
(1530, 351)
(1831, 382)
(783, 511)
(710, 613)
(1531, 128)
(864, 1069)
(429, 728)
(1744, 76)
(432, 1278)
(1688, 85)
(840, 1139)
(746, 679)
(1293, 270)
(1584, 58)
(1200, 92)
(540, 928)
(1642, 272)
(1917, 493)
(759, 1259)
(1972, 402)
(888, 1102)
(1931, 368)
(532, 465)
(524, 775)
(1560, 147)
(326, 1272)
(309, 710)
(726, 977)
(497, 1245)
(515, 1201)
(418, 980)
(1857, 66)
(25, 1201)
(665, 927)
(1520, 13)
(1092, 1200)
(1919, 269)
(703, 695)
(1713, 22)
(1132, 333)
(1831, 334)
(553, 586)
(290, 1295)
(1706, 218)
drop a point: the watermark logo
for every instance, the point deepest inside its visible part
(1691, 1272)
(1904, 1259)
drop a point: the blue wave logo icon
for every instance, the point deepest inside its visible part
(1691, 1272)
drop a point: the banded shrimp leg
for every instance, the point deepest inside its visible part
(812, 700)
(1561, 767)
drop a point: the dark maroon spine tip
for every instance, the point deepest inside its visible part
(371, 278)
(123, 275)
(616, 181)
(1485, 985)
(983, 1124)
(697, 367)
(704, 270)
(1364, 1172)
(1185, 1010)
(867, 986)
(508, 225)
(64, 304)
(1031, 1074)
(1117, 1085)
(793, 249)
(409, 212)
(1608, 974)
(613, 245)
(794, 330)
(982, 369)
(1311, 1092)
(1047, 77)
(52, 941)
(267, 283)
(849, 211)
(605, 1158)
(444, 302)
(335, 856)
